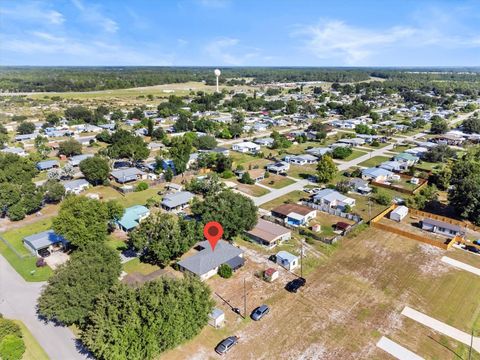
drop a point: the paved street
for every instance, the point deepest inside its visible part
(18, 301)
(275, 193)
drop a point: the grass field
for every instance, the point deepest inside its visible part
(136, 266)
(374, 161)
(127, 200)
(302, 172)
(276, 181)
(355, 154)
(252, 190)
(351, 299)
(293, 196)
(26, 265)
(33, 350)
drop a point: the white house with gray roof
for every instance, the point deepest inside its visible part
(301, 159)
(206, 262)
(177, 201)
(75, 186)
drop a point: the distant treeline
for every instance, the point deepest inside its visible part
(62, 79)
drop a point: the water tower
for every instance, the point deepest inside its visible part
(217, 75)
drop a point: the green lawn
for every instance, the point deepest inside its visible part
(355, 154)
(130, 199)
(277, 182)
(374, 161)
(114, 243)
(33, 350)
(301, 172)
(293, 196)
(428, 166)
(25, 266)
(136, 265)
(252, 190)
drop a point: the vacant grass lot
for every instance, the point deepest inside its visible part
(360, 289)
(33, 350)
(302, 171)
(276, 181)
(252, 190)
(293, 197)
(135, 265)
(355, 154)
(374, 161)
(26, 265)
(127, 200)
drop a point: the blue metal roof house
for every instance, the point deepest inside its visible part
(132, 217)
(47, 164)
(44, 240)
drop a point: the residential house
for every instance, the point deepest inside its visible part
(264, 141)
(25, 137)
(47, 164)
(14, 150)
(132, 217)
(318, 151)
(301, 159)
(246, 147)
(280, 167)
(359, 186)
(407, 158)
(77, 159)
(177, 201)
(376, 174)
(333, 199)
(294, 214)
(155, 146)
(418, 151)
(75, 186)
(442, 228)
(206, 262)
(287, 260)
(123, 176)
(268, 233)
(396, 166)
(44, 240)
(353, 142)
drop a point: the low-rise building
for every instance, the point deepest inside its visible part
(333, 199)
(246, 147)
(287, 260)
(44, 240)
(376, 174)
(75, 186)
(132, 217)
(177, 201)
(123, 176)
(294, 214)
(280, 167)
(77, 159)
(268, 233)
(305, 159)
(442, 228)
(47, 164)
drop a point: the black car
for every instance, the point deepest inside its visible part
(273, 258)
(226, 344)
(44, 253)
(295, 284)
(472, 249)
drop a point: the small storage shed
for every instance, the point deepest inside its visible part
(399, 213)
(270, 274)
(216, 318)
(287, 260)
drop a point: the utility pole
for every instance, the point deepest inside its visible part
(244, 298)
(471, 345)
(301, 260)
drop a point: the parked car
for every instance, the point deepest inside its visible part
(472, 249)
(273, 258)
(398, 201)
(476, 242)
(44, 253)
(295, 284)
(260, 312)
(225, 345)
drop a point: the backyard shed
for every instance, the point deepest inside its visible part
(270, 274)
(216, 318)
(399, 213)
(287, 260)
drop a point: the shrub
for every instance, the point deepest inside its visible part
(40, 262)
(341, 152)
(227, 174)
(16, 212)
(141, 186)
(225, 271)
(12, 348)
(383, 199)
(8, 327)
(375, 143)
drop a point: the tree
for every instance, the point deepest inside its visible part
(52, 119)
(95, 169)
(383, 199)
(180, 149)
(246, 179)
(440, 153)
(41, 146)
(79, 114)
(225, 271)
(234, 211)
(438, 125)
(422, 198)
(158, 134)
(54, 191)
(472, 124)
(341, 152)
(207, 185)
(70, 147)
(8, 327)
(168, 174)
(326, 169)
(70, 293)
(82, 221)
(150, 125)
(117, 115)
(142, 186)
(125, 145)
(25, 127)
(291, 107)
(206, 142)
(3, 135)
(12, 347)
(140, 323)
(163, 237)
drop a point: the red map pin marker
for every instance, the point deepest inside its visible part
(213, 231)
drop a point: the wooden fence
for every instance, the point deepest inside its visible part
(401, 189)
(444, 219)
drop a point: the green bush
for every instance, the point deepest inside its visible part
(225, 271)
(227, 174)
(383, 199)
(8, 327)
(141, 186)
(341, 152)
(12, 347)
(16, 212)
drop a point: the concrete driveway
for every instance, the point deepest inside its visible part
(18, 300)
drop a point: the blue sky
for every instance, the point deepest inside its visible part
(240, 32)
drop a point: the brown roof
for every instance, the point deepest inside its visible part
(268, 231)
(286, 209)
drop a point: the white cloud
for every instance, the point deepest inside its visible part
(228, 51)
(33, 12)
(94, 16)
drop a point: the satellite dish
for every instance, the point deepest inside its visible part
(217, 72)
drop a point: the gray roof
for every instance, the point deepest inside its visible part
(177, 199)
(75, 160)
(46, 164)
(43, 239)
(73, 184)
(206, 259)
(126, 173)
(441, 224)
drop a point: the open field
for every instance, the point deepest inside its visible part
(355, 154)
(130, 199)
(360, 289)
(25, 266)
(276, 181)
(252, 190)
(135, 265)
(374, 161)
(301, 171)
(33, 350)
(293, 197)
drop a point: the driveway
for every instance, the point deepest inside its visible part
(18, 300)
